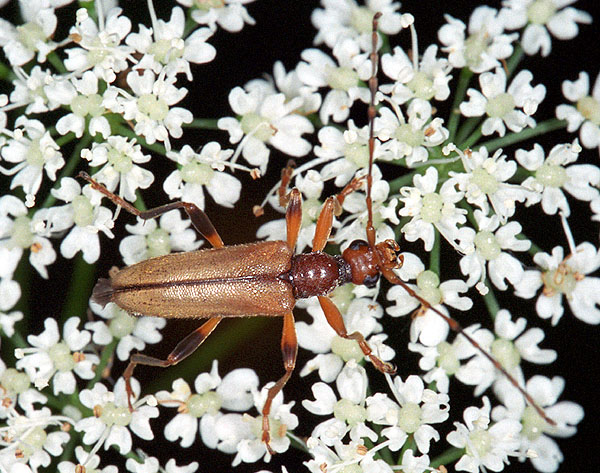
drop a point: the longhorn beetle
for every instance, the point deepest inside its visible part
(263, 278)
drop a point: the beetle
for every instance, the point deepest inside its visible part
(262, 278)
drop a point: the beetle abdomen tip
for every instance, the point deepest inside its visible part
(103, 291)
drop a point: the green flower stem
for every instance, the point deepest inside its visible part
(472, 139)
(514, 60)
(410, 444)
(449, 456)
(540, 129)
(466, 129)
(82, 281)
(105, 357)
(461, 89)
(6, 72)
(490, 301)
(72, 163)
(56, 62)
(434, 255)
(297, 442)
(203, 123)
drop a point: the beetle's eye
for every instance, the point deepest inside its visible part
(371, 281)
(358, 244)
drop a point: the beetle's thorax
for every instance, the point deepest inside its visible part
(317, 274)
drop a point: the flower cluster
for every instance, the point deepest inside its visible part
(447, 160)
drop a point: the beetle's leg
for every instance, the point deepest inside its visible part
(184, 348)
(335, 320)
(286, 177)
(293, 217)
(355, 184)
(324, 224)
(289, 349)
(199, 219)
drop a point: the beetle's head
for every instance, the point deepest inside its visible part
(366, 262)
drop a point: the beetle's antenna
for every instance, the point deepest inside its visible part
(384, 265)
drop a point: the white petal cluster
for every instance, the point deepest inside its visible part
(500, 104)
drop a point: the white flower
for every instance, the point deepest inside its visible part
(19, 232)
(341, 75)
(484, 182)
(568, 276)
(17, 393)
(429, 80)
(535, 439)
(346, 19)
(242, 434)
(85, 103)
(84, 213)
(33, 150)
(151, 465)
(586, 110)
(346, 152)
(353, 455)
(266, 117)
(444, 360)
(485, 44)
(151, 105)
(91, 463)
(290, 84)
(349, 412)
(53, 358)
(500, 104)
(510, 344)
(486, 446)
(10, 293)
(552, 174)
(112, 421)
(39, 90)
(493, 246)
(200, 170)
(133, 333)
(100, 47)
(119, 158)
(231, 15)
(233, 392)
(23, 42)
(410, 137)
(163, 45)
(415, 408)
(32, 438)
(431, 210)
(413, 464)
(149, 238)
(541, 17)
(427, 326)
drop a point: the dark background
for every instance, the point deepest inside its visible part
(282, 31)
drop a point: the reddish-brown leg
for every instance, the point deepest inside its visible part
(289, 349)
(351, 187)
(286, 177)
(293, 217)
(199, 219)
(324, 224)
(336, 321)
(184, 348)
